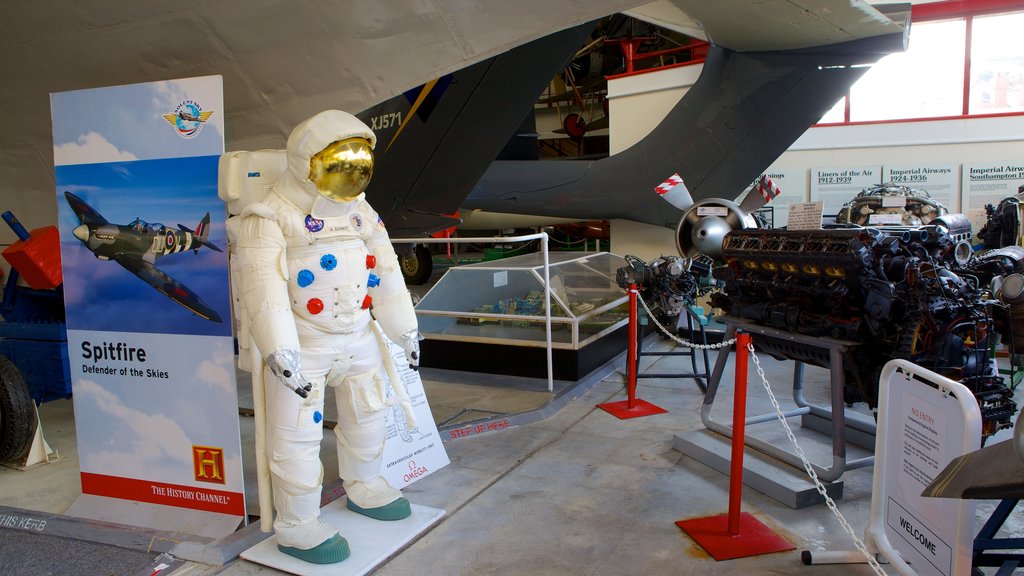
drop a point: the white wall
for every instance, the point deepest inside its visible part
(638, 103)
(641, 240)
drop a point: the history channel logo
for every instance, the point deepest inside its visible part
(188, 118)
(208, 464)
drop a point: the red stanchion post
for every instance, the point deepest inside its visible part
(735, 534)
(632, 407)
(631, 351)
(739, 416)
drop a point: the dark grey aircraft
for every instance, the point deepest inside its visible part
(438, 142)
(137, 245)
(283, 61)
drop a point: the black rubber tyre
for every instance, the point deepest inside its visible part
(17, 413)
(416, 270)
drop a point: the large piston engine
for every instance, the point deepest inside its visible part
(893, 293)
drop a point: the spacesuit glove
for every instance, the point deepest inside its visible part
(285, 365)
(411, 344)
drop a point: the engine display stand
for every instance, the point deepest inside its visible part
(696, 335)
(371, 541)
(787, 483)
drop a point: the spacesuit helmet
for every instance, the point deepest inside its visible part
(332, 153)
(342, 170)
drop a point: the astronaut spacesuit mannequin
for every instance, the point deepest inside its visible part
(313, 259)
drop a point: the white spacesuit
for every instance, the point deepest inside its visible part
(312, 260)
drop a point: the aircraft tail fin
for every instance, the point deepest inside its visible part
(201, 233)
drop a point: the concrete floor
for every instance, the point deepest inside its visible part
(577, 492)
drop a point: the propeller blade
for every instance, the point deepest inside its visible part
(761, 193)
(674, 192)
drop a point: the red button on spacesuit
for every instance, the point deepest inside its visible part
(315, 306)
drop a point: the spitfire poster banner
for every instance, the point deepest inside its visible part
(146, 292)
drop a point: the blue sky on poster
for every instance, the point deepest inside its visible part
(145, 427)
(102, 295)
(122, 123)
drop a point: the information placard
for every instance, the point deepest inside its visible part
(836, 186)
(805, 216)
(146, 291)
(925, 421)
(411, 453)
(988, 183)
(940, 180)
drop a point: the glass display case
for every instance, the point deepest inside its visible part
(501, 303)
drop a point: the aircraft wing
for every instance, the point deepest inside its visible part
(435, 142)
(744, 111)
(168, 286)
(86, 214)
(367, 55)
(746, 26)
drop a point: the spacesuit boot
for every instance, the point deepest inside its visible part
(362, 407)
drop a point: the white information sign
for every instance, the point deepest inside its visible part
(941, 181)
(836, 186)
(805, 216)
(500, 278)
(925, 420)
(712, 211)
(885, 219)
(988, 183)
(411, 453)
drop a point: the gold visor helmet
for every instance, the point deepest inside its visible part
(342, 170)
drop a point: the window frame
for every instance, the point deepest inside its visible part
(948, 10)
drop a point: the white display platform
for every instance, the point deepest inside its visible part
(371, 541)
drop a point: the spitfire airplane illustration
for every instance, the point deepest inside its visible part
(137, 245)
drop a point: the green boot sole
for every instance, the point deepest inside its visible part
(397, 510)
(333, 550)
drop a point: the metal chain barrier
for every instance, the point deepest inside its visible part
(667, 332)
(810, 469)
(875, 566)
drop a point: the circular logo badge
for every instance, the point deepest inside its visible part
(188, 118)
(312, 224)
(357, 222)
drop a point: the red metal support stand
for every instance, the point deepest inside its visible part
(736, 534)
(632, 407)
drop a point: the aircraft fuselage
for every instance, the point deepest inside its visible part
(109, 240)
